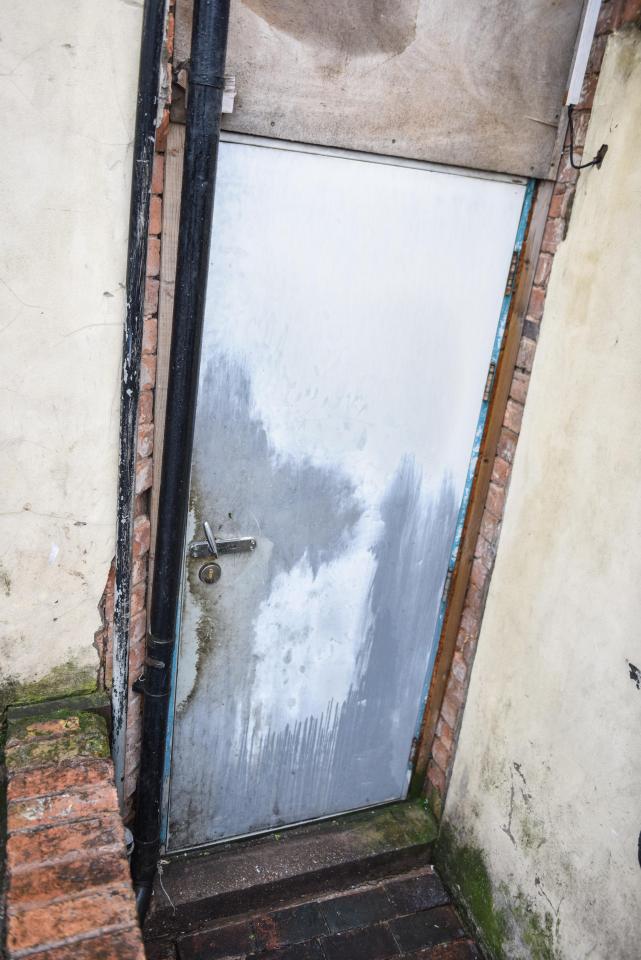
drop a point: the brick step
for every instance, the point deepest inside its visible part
(266, 872)
(408, 916)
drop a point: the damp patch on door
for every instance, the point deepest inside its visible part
(315, 632)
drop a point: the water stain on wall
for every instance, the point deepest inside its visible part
(359, 28)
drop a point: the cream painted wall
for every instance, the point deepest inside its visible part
(69, 75)
(546, 788)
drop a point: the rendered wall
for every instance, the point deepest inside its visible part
(69, 73)
(542, 821)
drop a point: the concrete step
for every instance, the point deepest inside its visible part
(278, 868)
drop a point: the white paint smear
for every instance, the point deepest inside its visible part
(308, 635)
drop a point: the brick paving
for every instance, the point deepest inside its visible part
(409, 916)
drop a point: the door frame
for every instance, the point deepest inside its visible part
(510, 322)
(517, 296)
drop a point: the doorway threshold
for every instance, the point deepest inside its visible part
(268, 870)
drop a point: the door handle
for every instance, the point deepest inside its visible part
(212, 546)
(211, 540)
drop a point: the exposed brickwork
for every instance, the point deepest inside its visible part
(144, 466)
(69, 891)
(145, 444)
(103, 638)
(614, 14)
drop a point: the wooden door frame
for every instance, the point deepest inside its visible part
(521, 281)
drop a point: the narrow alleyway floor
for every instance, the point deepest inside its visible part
(408, 915)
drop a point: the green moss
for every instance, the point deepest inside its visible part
(97, 701)
(517, 919)
(424, 825)
(42, 752)
(434, 804)
(396, 825)
(64, 681)
(55, 736)
(406, 822)
(532, 834)
(383, 829)
(36, 727)
(67, 679)
(464, 868)
(538, 931)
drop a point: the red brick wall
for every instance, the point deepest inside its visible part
(614, 14)
(144, 467)
(144, 455)
(68, 892)
(144, 478)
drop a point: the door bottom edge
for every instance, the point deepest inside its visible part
(265, 832)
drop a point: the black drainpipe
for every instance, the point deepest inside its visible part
(208, 49)
(153, 24)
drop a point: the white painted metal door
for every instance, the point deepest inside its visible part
(351, 312)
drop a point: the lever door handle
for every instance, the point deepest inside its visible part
(211, 540)
(212, 546)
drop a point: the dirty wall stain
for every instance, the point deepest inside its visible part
(360, 28)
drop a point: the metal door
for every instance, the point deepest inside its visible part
(352, 308)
